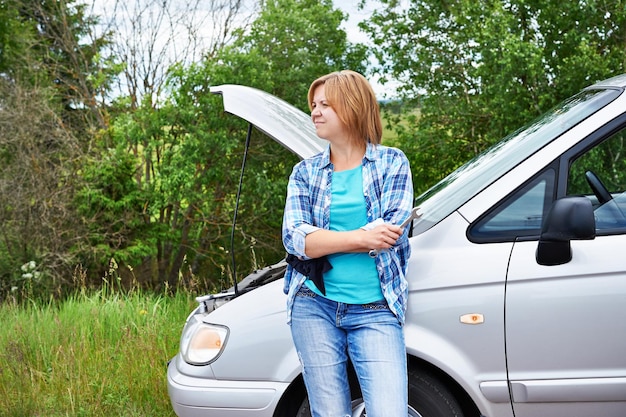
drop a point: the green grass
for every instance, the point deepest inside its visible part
(100, 354)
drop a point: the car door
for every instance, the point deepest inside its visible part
(565, 324)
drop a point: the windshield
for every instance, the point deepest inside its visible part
(472, 177)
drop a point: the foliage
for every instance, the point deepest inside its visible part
(291, 43)
(12, 34)
(38, 159)
(608, 163)
(112, 212)
(51, 75)
(483, 68)
(57, 47)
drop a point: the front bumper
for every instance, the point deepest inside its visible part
(204, 397)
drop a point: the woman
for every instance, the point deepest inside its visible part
(343, 304)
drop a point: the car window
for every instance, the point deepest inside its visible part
(600, 175)
(520, 214)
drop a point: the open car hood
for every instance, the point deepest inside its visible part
(278, 119)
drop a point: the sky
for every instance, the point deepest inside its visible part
(354, 17)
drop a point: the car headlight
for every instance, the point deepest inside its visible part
(201, 343)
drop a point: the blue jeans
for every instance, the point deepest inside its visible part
(326, 333)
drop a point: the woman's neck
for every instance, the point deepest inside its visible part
(346, 157)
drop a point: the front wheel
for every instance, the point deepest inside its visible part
(430, 397)
(427, 398)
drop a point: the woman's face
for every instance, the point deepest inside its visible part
(326, 121)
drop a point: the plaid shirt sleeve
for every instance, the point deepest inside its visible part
(298, 218)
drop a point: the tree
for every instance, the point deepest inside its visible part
(121, 203)
(288, 45)
(481, 69)
(11, 33)
(51, 77)
(291, 43)
(188, 153)
(65, 51)
(152, 35)
(39, 159)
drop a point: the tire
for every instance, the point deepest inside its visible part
(430, 398)
(427, 398)
(305, 408)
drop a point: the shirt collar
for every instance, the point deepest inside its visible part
(326, 157)
(370, 152)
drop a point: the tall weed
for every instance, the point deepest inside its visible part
(97, 354)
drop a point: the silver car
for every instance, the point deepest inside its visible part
(517, 281)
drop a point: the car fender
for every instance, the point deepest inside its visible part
(259, 345)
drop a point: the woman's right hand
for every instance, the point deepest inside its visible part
(382, 237)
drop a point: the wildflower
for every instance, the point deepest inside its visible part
(29, 266)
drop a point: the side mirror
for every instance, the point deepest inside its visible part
(569, 218)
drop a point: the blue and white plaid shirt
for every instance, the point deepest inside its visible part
(388, 191)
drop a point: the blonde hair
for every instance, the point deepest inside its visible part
(351, 96)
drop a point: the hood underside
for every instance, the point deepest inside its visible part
(278, 119)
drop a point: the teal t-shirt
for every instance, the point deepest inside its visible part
(353, 278)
